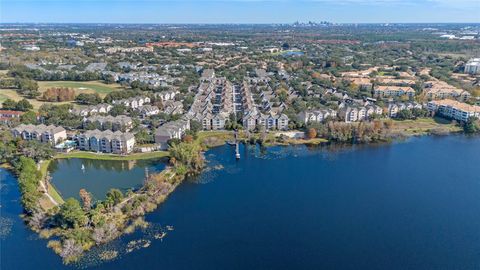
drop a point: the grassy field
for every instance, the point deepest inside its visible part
(82, 87)
(12, 94)
(424, 126)
(90, 155)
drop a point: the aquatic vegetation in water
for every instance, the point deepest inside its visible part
(108, 255)
(6, 225)
(117, 248)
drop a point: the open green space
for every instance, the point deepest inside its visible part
(82, 87)
(101, 156)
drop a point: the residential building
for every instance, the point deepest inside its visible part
(120, 122)
(171, 130)
(255, 120)
(316, 115)
(106, 141)
(7, 116)
(91, 110)
(45, 134)
(394, 108)
(393, 91)
(473, 66)
(442, 90)
(354, 113)
(148, 110)
(133, 102)
(454, 109)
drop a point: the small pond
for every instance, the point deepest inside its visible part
(99, 176)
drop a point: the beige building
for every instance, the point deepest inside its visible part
(106, 141)
(453, 109)
(441, 90)
(393, 91)
(46, 134)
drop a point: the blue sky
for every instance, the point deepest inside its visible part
(239, 11)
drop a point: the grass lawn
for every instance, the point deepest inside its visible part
(101, 156)
(82, 87)
(214, 138)
(79, 87)
(51, 189)
(425, 126)
(12, 94)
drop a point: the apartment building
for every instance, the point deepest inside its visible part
(473, 66)
(442, 90)
(317, 116)
(120, 122)
(171, 130)
(454, 109)
(7, 116)
(252, 121)
(106, 141)
(148, 110)
(393, 91)
(94, 109)
(354, 113)
(394, 108)
(133, 102)
(45, 134)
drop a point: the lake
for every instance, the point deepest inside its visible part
(406, 205)
(99, 176)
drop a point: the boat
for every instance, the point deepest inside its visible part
(83, 167)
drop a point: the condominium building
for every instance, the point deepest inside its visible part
(354, 113)
(272, 121)
(91, 110)
(473, 66)
(453, 109)
(442, 90)
(171, 130)
(393, 91)
(46, 134)
(120, 122)
(133, 102)
(106, 141)
(316, 116)
(394, 108)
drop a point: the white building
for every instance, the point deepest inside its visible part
(454, 109)
(106, 141)
(473, 66)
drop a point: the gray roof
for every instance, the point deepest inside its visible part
(117, 135)
(39, 128)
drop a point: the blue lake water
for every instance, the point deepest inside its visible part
(98, 177)
(408, 205)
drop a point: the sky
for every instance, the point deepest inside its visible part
(239, 11)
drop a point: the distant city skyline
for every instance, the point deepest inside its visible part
(239, 11)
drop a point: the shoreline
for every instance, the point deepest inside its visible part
(156, 191)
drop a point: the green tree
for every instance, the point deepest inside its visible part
(23, 105)
(472, 126)
(71, 214)
(9, 104)
(29, 117)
